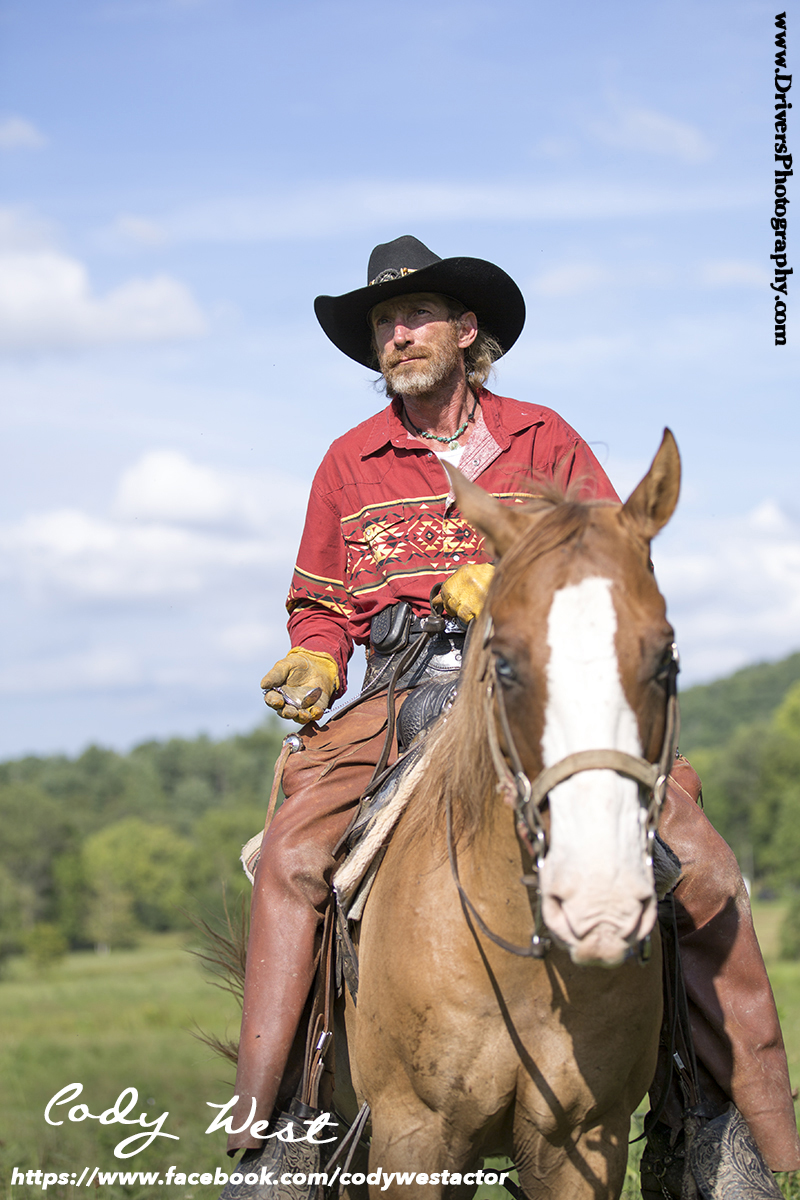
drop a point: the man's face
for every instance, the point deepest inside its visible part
(419, 346)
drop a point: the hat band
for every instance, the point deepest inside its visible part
(392, 273)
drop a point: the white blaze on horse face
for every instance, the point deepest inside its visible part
(597, 882)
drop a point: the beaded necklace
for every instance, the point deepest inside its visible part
(452, 441)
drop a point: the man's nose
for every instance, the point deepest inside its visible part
(402, 334)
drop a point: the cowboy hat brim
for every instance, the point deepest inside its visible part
(482, 287)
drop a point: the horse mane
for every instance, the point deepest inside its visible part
(457, 765)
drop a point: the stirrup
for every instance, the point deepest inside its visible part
(726, 1162)
(278, 1157)
(662, 1165)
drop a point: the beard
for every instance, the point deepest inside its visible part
(426, 373)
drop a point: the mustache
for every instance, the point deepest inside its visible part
(394, 360)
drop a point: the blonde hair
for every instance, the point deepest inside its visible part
(480, 357)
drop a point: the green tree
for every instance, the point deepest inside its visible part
(35, 828)
(777, 814)
(790, 931)
(216, 870)
(45, 944)
(141, 870)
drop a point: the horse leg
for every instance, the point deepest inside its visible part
(408, 1143)
(588, 1163)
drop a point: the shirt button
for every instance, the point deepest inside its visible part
(430, 454)
(456, 558)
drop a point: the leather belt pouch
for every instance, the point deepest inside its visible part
(390, 628)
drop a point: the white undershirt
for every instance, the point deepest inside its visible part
(452, 456)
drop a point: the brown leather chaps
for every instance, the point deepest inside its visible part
(733, 1015)
(732, 1012)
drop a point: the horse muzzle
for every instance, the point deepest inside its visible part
(597, 925)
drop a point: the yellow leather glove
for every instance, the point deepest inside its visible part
(464, 593)
(300, 686)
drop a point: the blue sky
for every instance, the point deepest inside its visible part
(180, 178)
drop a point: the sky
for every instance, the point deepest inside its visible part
(180, 178)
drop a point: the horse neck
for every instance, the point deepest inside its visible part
(489, 849)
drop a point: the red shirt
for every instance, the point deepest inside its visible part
(382, 525)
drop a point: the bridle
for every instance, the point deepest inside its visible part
(528, 798)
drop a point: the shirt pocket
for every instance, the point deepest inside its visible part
(374, 544)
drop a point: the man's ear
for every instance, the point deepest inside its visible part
(467, 329)
(500, 525)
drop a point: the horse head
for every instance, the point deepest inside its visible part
(582, 659)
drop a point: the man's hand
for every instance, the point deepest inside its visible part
(463, 595)
(300, 686)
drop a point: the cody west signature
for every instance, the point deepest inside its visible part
(119, 1114)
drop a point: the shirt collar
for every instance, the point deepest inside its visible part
(504, 417)
(386, 427)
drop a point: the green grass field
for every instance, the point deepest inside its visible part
(125, 1020)
(111, 1022)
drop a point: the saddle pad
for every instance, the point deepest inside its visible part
(388, 805)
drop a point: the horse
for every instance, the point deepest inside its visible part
(505, 1006)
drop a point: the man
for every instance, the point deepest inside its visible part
(382, 529)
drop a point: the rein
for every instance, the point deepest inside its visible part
(528, 798)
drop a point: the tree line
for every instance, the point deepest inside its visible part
(97, 848)
(100, 847)
(742, 735)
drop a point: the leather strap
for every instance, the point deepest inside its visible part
(594, 760)
(320, 1026)
(290, 745)
(527, 798)
(538, 946)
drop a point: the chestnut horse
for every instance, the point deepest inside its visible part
(462, 1048)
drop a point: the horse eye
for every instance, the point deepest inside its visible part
(665, 664)
(504, 669)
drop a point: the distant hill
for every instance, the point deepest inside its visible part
(711, 712)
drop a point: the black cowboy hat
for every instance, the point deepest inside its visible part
(404, 266)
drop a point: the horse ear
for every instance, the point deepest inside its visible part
(500, 525)
(653, 501)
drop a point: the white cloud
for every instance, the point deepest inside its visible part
(649, 132)
(571, 279)
(47, 300)
(139, 230)
(99, 668)
(160, 614)
(19, 230)
(559, 147)
(576, 358)
(328, 208)
(244, 640)
(176, 529)
(164, 485)
(733, 273)
(18, 134)
(733, 589)
(577, 278)
(69, 551)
